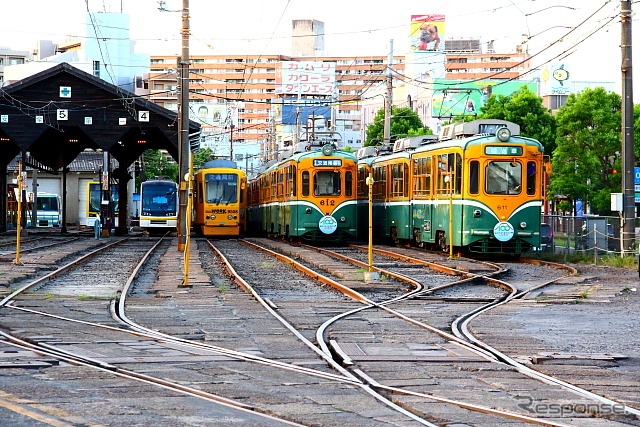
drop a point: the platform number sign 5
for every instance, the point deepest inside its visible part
(62, 114)
(143, 116)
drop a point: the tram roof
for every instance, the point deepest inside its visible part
(309, 155)
(462, 143)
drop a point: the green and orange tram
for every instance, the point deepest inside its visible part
(310, 195)
(476, 186)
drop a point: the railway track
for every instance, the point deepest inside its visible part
(272, 347)
(460, 324)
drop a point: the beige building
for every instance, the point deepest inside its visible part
(248, 83)
(11, 57)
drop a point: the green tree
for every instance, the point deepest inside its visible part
(201, 157)
(404, 121)
(636, 130)
(586, 162)
(525, 109)
(159, 164)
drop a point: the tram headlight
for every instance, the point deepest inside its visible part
(343, 219)
(503, 134)
(523, 225)
(477, 213)
(229, 216)
(212, 217)
(308, 211)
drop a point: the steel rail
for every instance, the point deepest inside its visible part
(74, 359)
(461, 338)
(60, 270)
(119, 314)
(23, 251)
(324, 353)
(462, 324)
(482, 353)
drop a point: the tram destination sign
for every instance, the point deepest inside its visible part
(327, 162)
(502, 150)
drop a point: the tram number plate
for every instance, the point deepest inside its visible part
(327, 202)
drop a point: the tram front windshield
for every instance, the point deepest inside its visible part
(47, 203)
(221, 188)
(504, 177)
(326, 183)
(159, 199)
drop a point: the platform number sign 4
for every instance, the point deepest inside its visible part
(143, 116)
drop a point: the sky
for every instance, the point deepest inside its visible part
(585, 35)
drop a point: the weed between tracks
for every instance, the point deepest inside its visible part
(630, 262)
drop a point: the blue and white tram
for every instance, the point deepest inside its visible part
(159, 205)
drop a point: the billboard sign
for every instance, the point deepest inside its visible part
(214, 114)
(555, 80)
(427, 32)
(306, 77)
(208, 114)
(466, 97)
(291, 109)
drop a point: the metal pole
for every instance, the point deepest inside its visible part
(370, 251)
(183, 135)
(231, 143)
(450, 217)
(628, 199)
(19, 224)
(64, 200)
(370, 275)
(389, 97)
(34, 189)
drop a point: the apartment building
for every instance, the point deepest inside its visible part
(250, 83)
(11, 57)
(466, 59)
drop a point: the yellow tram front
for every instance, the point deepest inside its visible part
(220, 200)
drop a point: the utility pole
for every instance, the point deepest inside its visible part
(183, 131)
(389, 97)
(628, 191)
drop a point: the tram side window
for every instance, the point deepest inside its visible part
(531, 178)
(305, 184)
(379, 182)
(503, 177)
(326, 183)
(458, 173)
(274, 184)
(363, 188)
(422, 177)
(448, 174)
(474, 177)
(291, 181)
(280, 183)
(399, 182)
(348, 184)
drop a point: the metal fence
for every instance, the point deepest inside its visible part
(598, 235)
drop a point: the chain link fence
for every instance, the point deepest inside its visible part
(598, 235)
